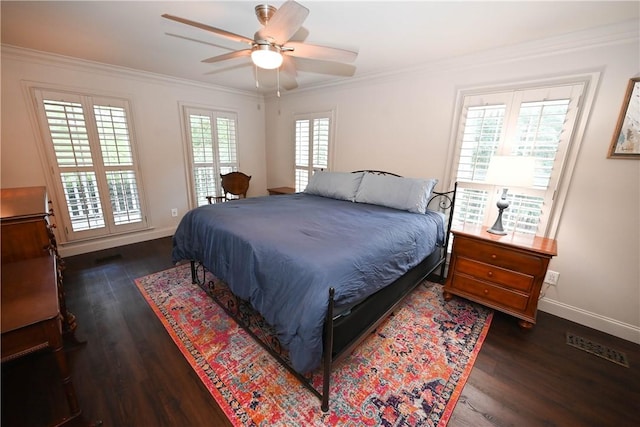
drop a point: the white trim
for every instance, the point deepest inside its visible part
(589, 80)
(185, 110)
(608, 35)
(592, 320)
(187, 162)
(67, 62)
(37, 93)
(30, 90)
(311, 116)
(92, 245)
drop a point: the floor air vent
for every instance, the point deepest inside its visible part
(597, 349)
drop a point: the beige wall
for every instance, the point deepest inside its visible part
(156, 115)
(403, 123)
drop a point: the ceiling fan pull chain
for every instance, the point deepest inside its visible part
(278, 80)
(257, 81)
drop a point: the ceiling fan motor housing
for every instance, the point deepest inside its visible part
(264, 12)
(269, 46)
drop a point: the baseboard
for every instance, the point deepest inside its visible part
(592, 320)
(86, 246)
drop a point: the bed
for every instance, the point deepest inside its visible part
(322, 267)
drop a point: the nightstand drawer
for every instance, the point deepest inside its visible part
(489, 293)
(507, 258)
(491, 273)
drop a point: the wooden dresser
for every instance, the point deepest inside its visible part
(24, 215)
(34, 313)
(31, 319)
(26, 233)
(501, 272)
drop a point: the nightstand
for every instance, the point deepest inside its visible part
(281, 190)
(501, 272)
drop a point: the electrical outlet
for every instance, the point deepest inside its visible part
(174, 212)
(552, 277)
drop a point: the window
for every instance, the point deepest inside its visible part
(89, 148)
(212, 150)
(533, 122)
(313, 136)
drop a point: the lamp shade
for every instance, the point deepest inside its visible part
(511, 171)
(266, 56)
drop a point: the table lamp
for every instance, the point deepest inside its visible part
(508, 171)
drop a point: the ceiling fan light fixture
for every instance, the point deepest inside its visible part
(266, 56)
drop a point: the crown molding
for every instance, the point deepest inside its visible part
(610, 35)
(62, 61)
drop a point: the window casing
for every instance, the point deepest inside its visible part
(313, 136)
(539, 122)
(90, 150)
(212, 150)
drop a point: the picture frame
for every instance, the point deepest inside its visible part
(626, 138)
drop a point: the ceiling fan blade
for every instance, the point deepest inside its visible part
(325, 67)
(284, 23)
(304, 50)
(288, 66)
(288, 82)
(230, 55)
(288, 74)
(198, 41)
(218, 31)
(219, 70)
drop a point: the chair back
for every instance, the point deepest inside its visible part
(236, 184)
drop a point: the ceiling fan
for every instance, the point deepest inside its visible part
(272, 47)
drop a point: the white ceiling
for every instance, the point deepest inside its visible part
(389, 34)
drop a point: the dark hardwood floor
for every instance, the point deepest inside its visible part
(131, 374)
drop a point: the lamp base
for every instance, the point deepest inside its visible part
(498, 232)
(497, 228)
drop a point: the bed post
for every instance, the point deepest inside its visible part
(193, 272)
(446, 237)
(328, 351)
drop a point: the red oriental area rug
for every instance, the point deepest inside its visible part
(410, 372)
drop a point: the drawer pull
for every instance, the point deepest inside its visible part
(490, 274)
(486, 291)
(494, 256)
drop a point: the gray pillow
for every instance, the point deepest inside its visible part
(409, 194)
(337, 185)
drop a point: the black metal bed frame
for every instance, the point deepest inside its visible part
(247, 318)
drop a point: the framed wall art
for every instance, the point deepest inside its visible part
(626, 138)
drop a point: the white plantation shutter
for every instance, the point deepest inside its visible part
(203, 158)
(212, 142)
(68, 133)
(303, 163)
(226, 136)
(321, 143)
(481, 137)
(536, 122)
(312, 140)
(89, 148)
(117, 157)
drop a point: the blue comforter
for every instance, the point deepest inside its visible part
(283, 253)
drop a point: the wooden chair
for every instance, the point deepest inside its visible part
(233, 184)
